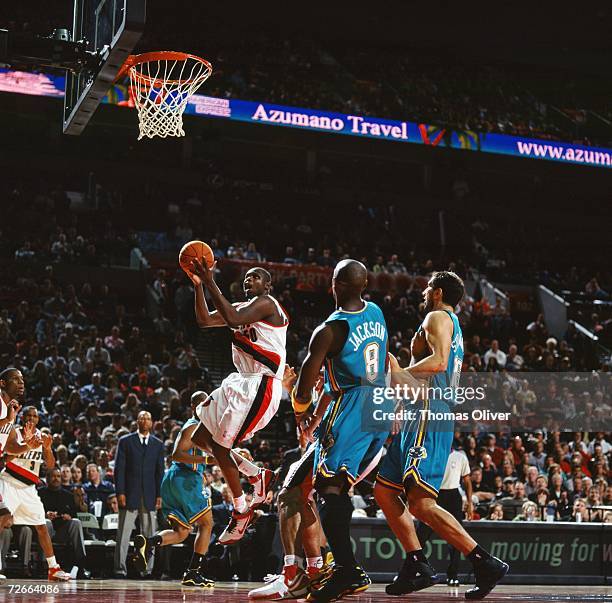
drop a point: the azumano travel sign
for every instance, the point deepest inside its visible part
(353, 123)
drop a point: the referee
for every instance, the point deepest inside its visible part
(457, 467)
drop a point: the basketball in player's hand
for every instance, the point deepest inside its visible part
(195, 250)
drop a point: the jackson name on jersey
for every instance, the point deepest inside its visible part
(365, 331)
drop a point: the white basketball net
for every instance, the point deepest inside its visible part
(161, 88)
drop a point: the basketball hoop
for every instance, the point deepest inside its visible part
(160, 85)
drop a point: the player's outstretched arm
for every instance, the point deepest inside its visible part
(261, 308)
(183, 445)
(326, 341)
(405, 376)
(438, 333)
(204, 317)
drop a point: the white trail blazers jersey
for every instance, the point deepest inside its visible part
(5, 430)
(26, 467)
(260, 348)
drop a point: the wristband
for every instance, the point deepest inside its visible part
(299, 407)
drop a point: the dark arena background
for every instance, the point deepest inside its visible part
(412, 137)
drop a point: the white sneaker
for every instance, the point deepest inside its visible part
(280, 587)
(237, 527)
(262, 483)
(57, 574)
(274, 589)
(2, 578)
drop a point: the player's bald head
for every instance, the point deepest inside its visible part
(351, 274)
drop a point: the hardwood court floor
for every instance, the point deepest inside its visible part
(132, 591)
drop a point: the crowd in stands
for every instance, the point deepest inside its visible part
(91, 364)
(542, 477)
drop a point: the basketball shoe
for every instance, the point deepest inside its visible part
(342, 582)
(143, 553)
(486, 575)
(237, 527)
(414, 575)
(292, 583)
(193, 577)
(57, 574)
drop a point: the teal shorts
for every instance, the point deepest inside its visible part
(182, 497)
(418, 454)
(350, 435)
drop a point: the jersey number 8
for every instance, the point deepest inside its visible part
(371, 355)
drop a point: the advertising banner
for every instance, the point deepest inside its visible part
(335, 123)
(566, 552)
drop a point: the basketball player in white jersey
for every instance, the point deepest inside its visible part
(248, 398)
(18, 483)
(16, 443)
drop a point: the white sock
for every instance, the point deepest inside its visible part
(290, 560)
(51, 562)
(240, 503)
(314, 562)
(244, 465)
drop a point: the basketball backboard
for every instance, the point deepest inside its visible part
(112, 29)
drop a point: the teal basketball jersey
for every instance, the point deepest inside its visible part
(363, 358)
(196, 468)
(448, 380)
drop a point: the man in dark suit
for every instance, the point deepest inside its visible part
(139, 468)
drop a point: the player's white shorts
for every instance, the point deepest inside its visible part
(243, 405)
(23, 501)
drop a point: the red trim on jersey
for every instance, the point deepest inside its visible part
(266, 357)
(259, 408)
(23, 475)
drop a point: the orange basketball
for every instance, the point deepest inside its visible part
(193, 250)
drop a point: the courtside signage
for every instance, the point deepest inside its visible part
(336, 123)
